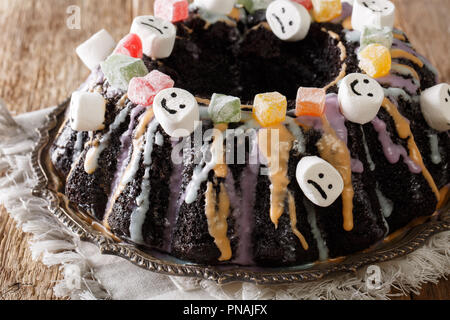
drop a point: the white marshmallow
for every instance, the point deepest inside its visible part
(360, 98)
(216, 6)
(177, 111)
(96, 49)
(87, 111)
(375, 13)
(157, 35)
(288, 20)
(320, 181)
(435, 104)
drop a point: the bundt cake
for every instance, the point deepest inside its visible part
(316, 131)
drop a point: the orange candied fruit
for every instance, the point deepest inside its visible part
(270, 108)
(326, 10)
(375, 60)
(310, 102)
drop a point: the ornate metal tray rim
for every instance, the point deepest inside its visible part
(77, 223)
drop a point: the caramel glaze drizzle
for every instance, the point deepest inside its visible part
(293, 217)
(445, 196)
(217, 215)
(341, 47)
(399, 53)
(221, 169)
(399, 36)
(137, 145)
(404, 132)
(334, 150)
(277, 164)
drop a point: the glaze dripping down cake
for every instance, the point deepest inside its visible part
(381, 147)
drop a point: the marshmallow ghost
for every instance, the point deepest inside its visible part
(157, 35)
(435, 104)
(320, 181)
(288, 20)
(375, 13)
(177, 111)
(360, 98)
(87, 111)
(216, 6)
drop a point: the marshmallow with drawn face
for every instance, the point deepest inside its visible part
(320, 181)
(360, 98)
(435, 104)
(216, 6)
(288, 20)
(157, 35)
(375, 13)
(177, 111)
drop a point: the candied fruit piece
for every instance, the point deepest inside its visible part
(270, 108)
(383, 36)
(225, 109)
(326, 10)
(130, 45)
(375, 60)
(119, 69)
(306, 3)
(310, 102)
(142, 91)
(172, 10)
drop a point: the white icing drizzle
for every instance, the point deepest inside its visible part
(200, 174)
(397, 92)
(78, 148)
(159, 139)
(352, 35)
(317, 234)
(387, 206)
(138, 215)
(372, 165)
(91, 162)
(294, 128)
(436, 157)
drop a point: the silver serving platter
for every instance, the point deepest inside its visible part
(50, 188)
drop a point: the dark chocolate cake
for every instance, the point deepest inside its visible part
(123, 174)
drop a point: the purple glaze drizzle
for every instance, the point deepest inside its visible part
(337, 121)
(399, 82)
(347, 10)
(126, 143)
(244, 221)
(393, 151)
(174, 200)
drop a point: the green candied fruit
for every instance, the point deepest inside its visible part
(383, 36)
(261, 4)
(247, 4)
(225, 109)
(120, 69)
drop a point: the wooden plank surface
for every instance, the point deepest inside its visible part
(39, 68)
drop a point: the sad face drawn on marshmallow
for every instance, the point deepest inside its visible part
(360, 98)
(288, 20)
(435, 105)
(177, 111)
(320, 181)
(157, 35)
(376, 13)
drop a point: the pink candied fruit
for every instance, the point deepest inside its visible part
(172, 10)
(142, 91)
(130, 45)
(306, 3)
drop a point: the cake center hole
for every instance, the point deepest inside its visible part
(243, 63)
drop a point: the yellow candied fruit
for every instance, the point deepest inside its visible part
(326, 10)
(375, 60)
(270, 108)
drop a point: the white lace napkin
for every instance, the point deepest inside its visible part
(90, 275)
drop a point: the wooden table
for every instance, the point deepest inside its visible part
(39, 68)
